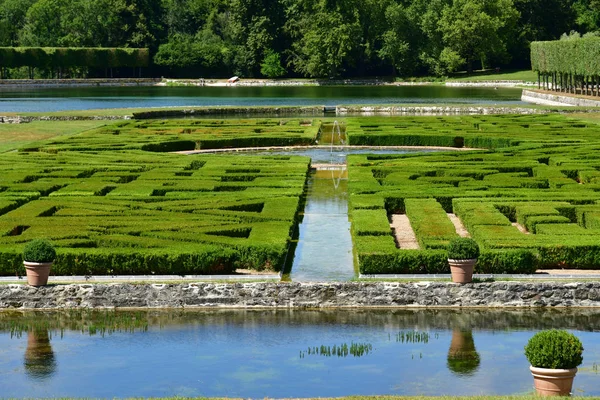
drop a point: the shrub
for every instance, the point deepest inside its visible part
(40, 251)
(463, 249)
(554, 349)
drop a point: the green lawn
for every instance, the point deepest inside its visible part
(13, 136)
(525, 76)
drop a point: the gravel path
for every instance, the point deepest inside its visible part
(403, 232)
(521, 228)
(460, 228)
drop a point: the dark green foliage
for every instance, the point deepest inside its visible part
(40, 251)
(579, 57)
(519, 261)
(463, 248)
(66, 57)
(405, 262)
(554, 349)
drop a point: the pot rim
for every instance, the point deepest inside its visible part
(37, 264)
(552, 371)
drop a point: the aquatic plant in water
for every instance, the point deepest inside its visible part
(412, 337)
(343, 350)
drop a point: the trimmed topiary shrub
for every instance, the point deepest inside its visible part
(463, 249)
(554, 349)
(40, 251)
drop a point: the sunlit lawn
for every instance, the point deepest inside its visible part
(13, 136)
(525, 76)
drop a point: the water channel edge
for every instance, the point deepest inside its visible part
(296, 295)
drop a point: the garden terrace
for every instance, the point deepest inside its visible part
(192, 134)
(528, 196)
(133, 212)
(531, 200)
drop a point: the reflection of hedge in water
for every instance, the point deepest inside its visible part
(488, 319)
(542, 173)
(90, 322)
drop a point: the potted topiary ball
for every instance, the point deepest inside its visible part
(554, 356)
(38, 256)
(462, 257)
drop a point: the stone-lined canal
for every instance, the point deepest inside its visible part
(323, 249)
(281, 353)
(26, 99)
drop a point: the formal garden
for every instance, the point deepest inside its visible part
(115, 200)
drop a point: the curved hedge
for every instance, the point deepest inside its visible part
(44, 57)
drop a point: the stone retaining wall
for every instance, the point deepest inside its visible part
(555, 99)
(302, 295)
(48, 83)
(219, 111)
(19, 119)
(436, 110)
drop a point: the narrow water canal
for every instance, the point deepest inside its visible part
(324, 249)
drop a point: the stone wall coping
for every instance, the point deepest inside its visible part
(282, 295)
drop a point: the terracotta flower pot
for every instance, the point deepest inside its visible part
(553, 382)
(37, 273)
(462, 270)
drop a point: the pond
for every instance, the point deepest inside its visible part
(73, 98)
(256, 354)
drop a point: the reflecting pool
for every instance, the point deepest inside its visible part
(281, 353)
(87, 98)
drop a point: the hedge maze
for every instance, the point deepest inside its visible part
(193, 134)
(115, 202)
(133, 212)
(540, 174)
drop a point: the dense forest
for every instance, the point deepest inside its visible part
(303, 38)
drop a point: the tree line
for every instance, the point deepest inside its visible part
(302, 38)
(571, 64)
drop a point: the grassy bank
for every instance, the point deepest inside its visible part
(13, 136)
(492, 76)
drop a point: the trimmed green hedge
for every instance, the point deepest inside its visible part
(529, 202)
(579, 57)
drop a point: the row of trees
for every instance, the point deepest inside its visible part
(571, 64)
(312, 38)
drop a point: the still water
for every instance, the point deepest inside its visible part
(255, 354)
(324, 246)
(62, 99)
(322, 250)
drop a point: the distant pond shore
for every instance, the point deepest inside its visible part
(214, 82)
